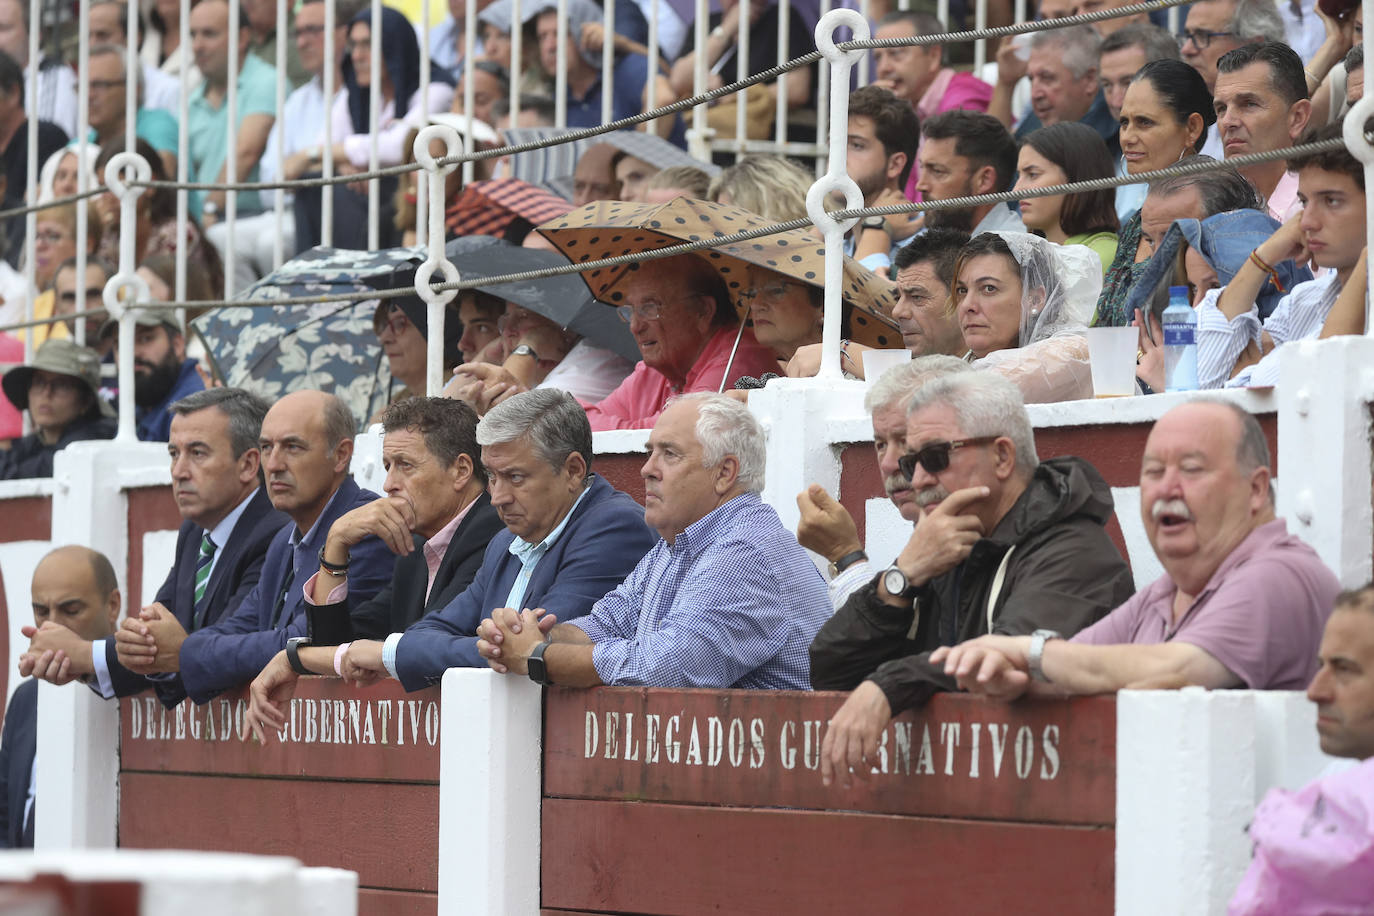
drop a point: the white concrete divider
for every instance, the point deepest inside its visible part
(207, 884)
(1190, 767)
(491, 780)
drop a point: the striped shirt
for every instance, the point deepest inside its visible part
(1298, 316)
(734, 602)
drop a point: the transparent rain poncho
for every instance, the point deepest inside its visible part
(1059, 289)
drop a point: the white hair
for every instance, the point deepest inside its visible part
(895, 386)
(986, 404)
(726, 427)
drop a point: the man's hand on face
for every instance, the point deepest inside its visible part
(825, 526)
(362, 663)
(850, 746)
(52, 653)
(390, 518)
(996, 667)
(269, 695)
(1288, 241)
(943, 537)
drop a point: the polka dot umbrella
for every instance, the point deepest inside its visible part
(610, 228)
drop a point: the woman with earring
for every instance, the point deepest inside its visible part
(1022, 303)
(1164, 120)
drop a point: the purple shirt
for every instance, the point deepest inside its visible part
(1261, 614)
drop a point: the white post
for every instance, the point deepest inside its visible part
(374, 115)
(126, 279)
(469, 90)
(699, 136)
(435, 175)
(1185, 791)
(835, 179)
(491, 776)
(1324, 391)
(331, 69)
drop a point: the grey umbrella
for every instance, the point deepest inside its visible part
(563, 299)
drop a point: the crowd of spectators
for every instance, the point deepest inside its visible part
(496, 543)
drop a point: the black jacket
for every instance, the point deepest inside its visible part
(17, 749)
(29, 457)
(402, 602)
(1063, 574)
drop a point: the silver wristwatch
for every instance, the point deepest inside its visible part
(1035, 657)
(525, 350)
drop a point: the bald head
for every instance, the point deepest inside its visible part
(76, 587)
(594, 178)
(306, 445)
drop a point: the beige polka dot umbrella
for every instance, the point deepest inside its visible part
(610, 228)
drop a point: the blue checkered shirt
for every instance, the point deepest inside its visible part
(734, 602)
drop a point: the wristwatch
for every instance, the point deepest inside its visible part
(538, 670)
(846, 561)
(1036, 655)
(293, 653)
(894, 581)
(875, 222)
(525, 350)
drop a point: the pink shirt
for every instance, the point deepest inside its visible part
(639, 400)
(1283, 204)
(1261, 614)
(433, 549)
(950, 89)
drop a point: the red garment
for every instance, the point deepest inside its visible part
(11, 420)
(639, 400)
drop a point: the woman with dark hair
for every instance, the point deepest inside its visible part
(402, 107)
(1022, 304)
(1165, 116)
(156, 226)
(1058, 154)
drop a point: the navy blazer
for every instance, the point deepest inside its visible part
(234, 650)
(603, 541)
(402, 601)
(236, 572)
(18, 745)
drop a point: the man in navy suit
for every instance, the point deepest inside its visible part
(306, 444)
(73, 588)
(436, 516)
(570, 538)
(220, 547)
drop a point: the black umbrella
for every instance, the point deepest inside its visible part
(564, 300)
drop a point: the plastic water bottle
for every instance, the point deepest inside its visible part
(1180, 342)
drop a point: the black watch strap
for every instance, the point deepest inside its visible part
(536, 667)
(293, 653)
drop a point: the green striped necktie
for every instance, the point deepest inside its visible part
(207, 555)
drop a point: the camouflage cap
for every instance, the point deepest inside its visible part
(61, 357)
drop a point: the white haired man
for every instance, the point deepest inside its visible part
(727, 598)
(1007, 544)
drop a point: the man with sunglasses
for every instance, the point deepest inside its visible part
(825, 526)
(1242, 603)
(1007, 544)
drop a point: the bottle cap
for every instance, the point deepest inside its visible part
(1178, 291)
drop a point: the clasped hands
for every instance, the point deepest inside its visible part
(506, 638)
(151, 642)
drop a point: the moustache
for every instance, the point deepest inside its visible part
(1176, 507)
(931, 495)
(895, 482)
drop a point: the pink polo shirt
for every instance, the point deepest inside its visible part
(1261, 614)
(639, 400)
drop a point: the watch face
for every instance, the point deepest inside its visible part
(894, 581)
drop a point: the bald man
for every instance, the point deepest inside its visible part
(75, 600)
(306, 445)
(594, 178)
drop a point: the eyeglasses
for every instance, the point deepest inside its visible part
(769, 294)
(649, 311)
(1201, 38)
(105, 85)
(307, 31)
(396, 324)
(935, 456)
(513, 319)
(53, 384)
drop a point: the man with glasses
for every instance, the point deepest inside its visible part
(1007, 544)
(1242, 602)
(685, 326)
(1214, 27)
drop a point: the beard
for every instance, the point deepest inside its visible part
(153, 386)
(953, 219)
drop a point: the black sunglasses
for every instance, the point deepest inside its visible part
(935, 456)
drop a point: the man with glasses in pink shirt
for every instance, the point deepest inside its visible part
(681, 317)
